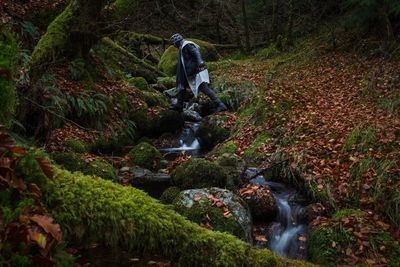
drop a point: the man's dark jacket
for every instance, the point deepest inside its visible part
(193, 60)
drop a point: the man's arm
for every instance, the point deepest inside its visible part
(196, 55)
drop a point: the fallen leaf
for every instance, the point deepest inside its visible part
(48, 226)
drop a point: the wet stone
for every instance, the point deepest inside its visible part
(191, 115)
(260, 200)
(219, 208)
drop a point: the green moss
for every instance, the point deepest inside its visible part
(168, 61)
(320, 246)
(229, 160)
(76, 146)
(211, 131)
(144, 123)
(8, 57)
(323, 196)
(55, 39)
(321, 239)
(139, 82)
(203, 212)
(121, 63)
(345, 213)
(123, 8)
(228, 147)
(252, 153)
(100, 168)
(169, 58)
(199, 173)
(169, 121)
(267, 53)
(145, 155)
(170, 194)
(154, 98)
(68, 160)
(168, 82)
(96, 210)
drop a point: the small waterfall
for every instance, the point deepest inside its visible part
(287, 236)
(187, 140)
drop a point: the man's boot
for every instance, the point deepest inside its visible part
(219, 106)
(179, 104)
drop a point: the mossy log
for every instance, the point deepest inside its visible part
(91, 209)
(144, 69)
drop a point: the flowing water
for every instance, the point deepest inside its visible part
(287, 233)
(189, 144)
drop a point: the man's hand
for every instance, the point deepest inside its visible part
(201, 67)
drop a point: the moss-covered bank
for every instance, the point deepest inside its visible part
(90, 209)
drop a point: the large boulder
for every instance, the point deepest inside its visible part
(169, 195)
(216, 209)
(168, 60)
(169, 121)
(199, 173)
(212, 130)
(146, 156)
(139, 82)
(260, 200)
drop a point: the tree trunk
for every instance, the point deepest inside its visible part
(246, 26)
(71, 33)
(289, 33)
(90, 209)
(274, 22)
(387, 25)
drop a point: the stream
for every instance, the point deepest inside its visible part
(286, 233)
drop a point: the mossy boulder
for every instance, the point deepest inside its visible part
(100, 168)
(199, 173)
(139, 82)
(348, 229)
(169, 58)
(70, 161)
(76, 146)
(169, 121)
(260, 200)
(143, 121)
(117, 217)
(228, 160)
(170, 194)
(212, 131)
(168, 82)
(217, 209)
(154, 98)
(145, 155)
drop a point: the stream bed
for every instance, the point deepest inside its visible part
(287, 233)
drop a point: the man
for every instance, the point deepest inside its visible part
(191, 72)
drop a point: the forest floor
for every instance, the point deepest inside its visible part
(336, 118)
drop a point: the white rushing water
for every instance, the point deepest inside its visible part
(287, 236)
